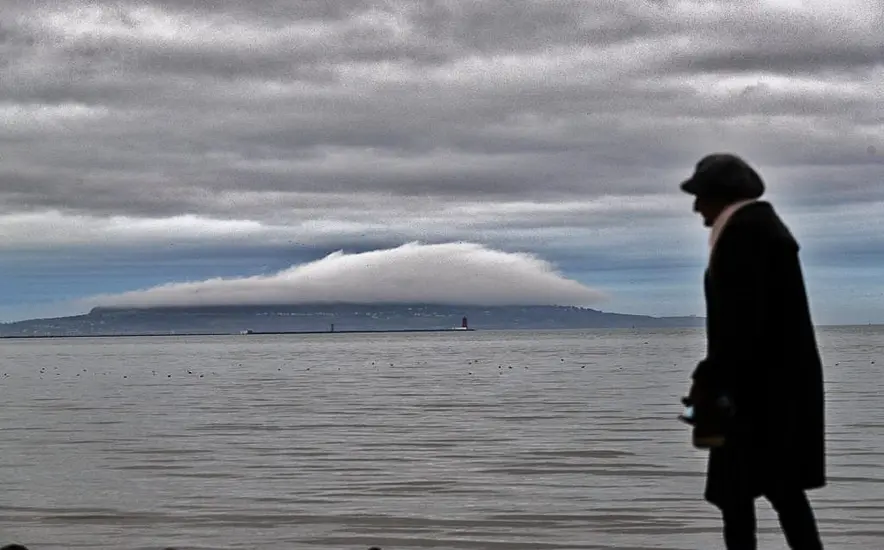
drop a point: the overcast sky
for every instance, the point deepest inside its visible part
(176, 141)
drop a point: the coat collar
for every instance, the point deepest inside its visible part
(721, 221)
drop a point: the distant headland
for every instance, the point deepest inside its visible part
(330, 318)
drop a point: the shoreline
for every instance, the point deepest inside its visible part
(254, 333)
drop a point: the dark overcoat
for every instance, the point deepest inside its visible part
(762, 350)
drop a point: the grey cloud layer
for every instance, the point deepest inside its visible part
(279, 111)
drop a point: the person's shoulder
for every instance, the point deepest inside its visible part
(759, 222)
(755, 213)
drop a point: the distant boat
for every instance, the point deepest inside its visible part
(247, 331)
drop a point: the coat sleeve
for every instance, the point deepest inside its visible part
(741, 277)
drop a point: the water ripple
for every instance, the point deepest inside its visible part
(444, 441)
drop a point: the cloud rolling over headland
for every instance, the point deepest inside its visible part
(451, 273)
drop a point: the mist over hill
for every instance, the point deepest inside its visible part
(319, 318)
(413, 273)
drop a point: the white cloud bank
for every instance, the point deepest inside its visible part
(450, 273)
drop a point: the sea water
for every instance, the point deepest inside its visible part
(470, 440)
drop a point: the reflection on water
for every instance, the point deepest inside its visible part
(444, 441)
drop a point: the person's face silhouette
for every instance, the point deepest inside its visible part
(709, 209)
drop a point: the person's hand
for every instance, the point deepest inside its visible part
(699, 395)
(687, 418)
(695, 394)
(689, 401)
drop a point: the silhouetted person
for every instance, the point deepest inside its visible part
(14, 547)
(762, 354)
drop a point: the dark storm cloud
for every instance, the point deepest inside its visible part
(346, 114)
(802, 58)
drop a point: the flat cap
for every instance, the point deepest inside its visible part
(724, 176)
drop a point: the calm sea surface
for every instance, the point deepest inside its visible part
(482, 440)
